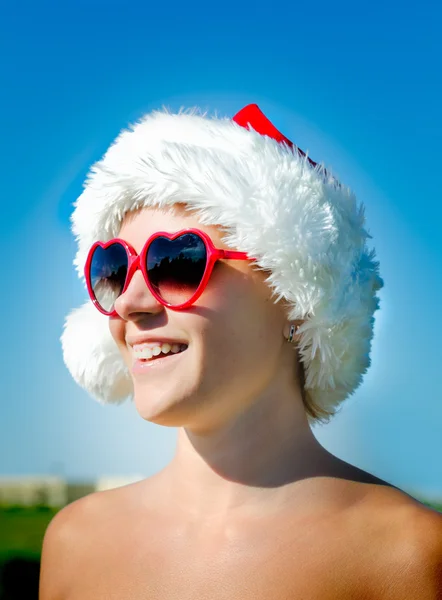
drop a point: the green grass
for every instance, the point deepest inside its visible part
(437, 507)
(22, 530)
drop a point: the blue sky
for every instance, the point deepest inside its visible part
(358, 86)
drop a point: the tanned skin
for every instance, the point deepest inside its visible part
(251, 507)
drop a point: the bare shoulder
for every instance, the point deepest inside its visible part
(65, 542)
(77, 532)
(404, 537)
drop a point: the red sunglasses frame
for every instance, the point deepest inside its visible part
(138, 261)
(250, 115)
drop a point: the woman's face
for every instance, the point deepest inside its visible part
(233, 334)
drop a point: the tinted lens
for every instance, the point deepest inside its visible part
(107, 274)
(176, 268)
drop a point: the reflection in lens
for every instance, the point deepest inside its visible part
(176, 268)
(107, 274)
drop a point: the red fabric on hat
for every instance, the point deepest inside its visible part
(252, 115)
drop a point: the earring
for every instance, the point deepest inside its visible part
(293, 330)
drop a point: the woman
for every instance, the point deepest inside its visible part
(233, 296)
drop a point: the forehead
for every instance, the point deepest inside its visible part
(138, 225)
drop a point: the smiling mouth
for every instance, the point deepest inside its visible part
(148, 356)
(142, 366)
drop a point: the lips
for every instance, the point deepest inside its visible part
(143, 366)
(139, 340)
(182, 348)
(152, 350)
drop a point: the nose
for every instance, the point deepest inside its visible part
(137, 299)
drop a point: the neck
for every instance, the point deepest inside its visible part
(249, 461)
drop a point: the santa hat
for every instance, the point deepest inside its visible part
(301, 225)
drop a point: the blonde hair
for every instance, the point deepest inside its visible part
(311, 408)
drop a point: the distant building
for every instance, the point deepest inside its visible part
(50, 490)
(33, 490)
(111, 482)
(78, 490)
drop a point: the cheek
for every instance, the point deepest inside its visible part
(244, 324)
(116, 328)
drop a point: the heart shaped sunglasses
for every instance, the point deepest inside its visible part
(176, 268)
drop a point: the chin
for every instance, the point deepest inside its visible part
(168, 407)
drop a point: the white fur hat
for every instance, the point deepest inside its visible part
(275, 203)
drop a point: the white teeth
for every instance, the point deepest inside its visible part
(143, 352)
(146, 352)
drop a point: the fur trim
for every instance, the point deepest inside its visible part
(92, 356)
(304, 229)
